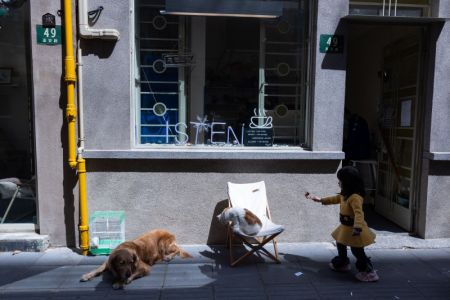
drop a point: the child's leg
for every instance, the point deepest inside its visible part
(341, 262)
(363, 263)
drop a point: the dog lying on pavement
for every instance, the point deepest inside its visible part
(133, 259)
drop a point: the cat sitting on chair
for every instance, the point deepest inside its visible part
(241, 219)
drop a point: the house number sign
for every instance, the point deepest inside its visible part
(331, 43)
(48, 35)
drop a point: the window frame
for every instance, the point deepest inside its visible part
(306, 74)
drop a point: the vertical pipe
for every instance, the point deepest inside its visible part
(80, 98)
(71, 115)
(83, 227)
(70, 78)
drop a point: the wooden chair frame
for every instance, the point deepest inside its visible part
(256, 247)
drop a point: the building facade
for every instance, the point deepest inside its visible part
(177, 98)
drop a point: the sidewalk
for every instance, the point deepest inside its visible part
(404, 274)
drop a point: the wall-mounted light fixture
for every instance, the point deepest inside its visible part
(224, 8)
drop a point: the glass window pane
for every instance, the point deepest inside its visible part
(253, 76)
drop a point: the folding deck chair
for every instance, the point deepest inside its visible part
(253, 197)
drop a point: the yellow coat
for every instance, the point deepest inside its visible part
(351, 207)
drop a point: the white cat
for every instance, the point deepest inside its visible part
(241, 219)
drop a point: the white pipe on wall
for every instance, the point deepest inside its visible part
(85, 31)
(80, 100)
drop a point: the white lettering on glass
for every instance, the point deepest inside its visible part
(182, 134)
(216, 132)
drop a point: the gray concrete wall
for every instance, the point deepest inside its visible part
(55, 181)
(437, 223)
(107, 80)
(329, 79)
(185, 196)
(440, 126)
(434, 206)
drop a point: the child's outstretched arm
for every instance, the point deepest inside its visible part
(326, 200)
(312, 197)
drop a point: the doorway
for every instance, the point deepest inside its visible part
(383, 114)
(17, 166)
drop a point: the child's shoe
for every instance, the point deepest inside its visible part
(344, 268)
(371, 276)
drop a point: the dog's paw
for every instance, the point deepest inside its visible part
(128, 281)
(117, 285)
(85, 278)
(167, 258)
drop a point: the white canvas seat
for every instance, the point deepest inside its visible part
(252, 196)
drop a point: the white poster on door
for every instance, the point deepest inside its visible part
(405, 116)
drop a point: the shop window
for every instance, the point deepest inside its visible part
(221, 81)
(395, 8)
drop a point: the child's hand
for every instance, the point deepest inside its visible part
(356, 231)
(312, 197)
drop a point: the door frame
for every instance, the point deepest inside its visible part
(419, 131)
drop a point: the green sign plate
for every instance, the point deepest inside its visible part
(331, 43)
(48, 36)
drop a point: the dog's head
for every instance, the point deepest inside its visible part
(123, 263)
(224, 217)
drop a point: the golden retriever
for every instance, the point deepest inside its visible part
(132, 259)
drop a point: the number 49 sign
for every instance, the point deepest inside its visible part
(331, 43)
(48, 36)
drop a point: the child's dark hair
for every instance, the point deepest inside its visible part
(351, 182)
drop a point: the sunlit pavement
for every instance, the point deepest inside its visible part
(405, 273)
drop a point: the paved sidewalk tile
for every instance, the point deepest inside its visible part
(72, 280)
(179, 275)
(154, 280)
(433, 289)
(10, 274)
(272, 273)
(139, 294)
(245, 275)
(439, 259)
(244, 293)
(404, 274)
(309, 252)
(32, 295)
(365, 290)
(292, 291)
(194, 293)
(58, 256)
(26, 259)
(93, 260)
(38, 278)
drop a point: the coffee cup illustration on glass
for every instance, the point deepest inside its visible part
(260, 120)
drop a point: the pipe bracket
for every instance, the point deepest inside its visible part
(83, 227)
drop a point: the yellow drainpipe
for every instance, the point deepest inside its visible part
(71, 115)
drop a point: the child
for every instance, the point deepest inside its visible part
(353, 230)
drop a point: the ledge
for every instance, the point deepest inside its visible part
(442, 156)
(205, 153)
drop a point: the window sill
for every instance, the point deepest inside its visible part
(251, 154)
(442, 156)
